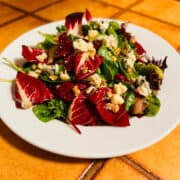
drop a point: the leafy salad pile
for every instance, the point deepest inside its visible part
(92, 73)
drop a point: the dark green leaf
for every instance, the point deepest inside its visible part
(129, 99)
(129, 75)
(109, 68)
(61, 28)
(153, 106)
(53, 109)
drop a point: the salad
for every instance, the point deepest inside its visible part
(91, 72)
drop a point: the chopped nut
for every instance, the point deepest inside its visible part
(132, 39)
(84, 70)
(40, 66)
(41, 57)
(117, 99)
(90, 89)
(112, 107)
(115, 108)
(34, 66)
(76, 90)
(53, 77)
(109, 94)
(33, 74)
(64, 76)
(95, 80)
(38, 71)
(129, 69)
(92, 34)
(114, 58)
(117, 51)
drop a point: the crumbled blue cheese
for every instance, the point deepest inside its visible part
(119, 88)
(130, 59)
(103, 25)
(95, 80)
(109, 41)
(83, 46)
(144, 87)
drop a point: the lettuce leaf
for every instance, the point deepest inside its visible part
(53, 109)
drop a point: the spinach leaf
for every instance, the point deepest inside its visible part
(103, 51)
(61, 28)
(48, 37)
(113, 26)
(129, 75)
(153, 106)
(109, 68)
(53, 109)
(48, 42)
(27, 66)
(129, 99)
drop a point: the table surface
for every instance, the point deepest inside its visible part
(22, 161)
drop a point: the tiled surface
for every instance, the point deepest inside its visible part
(21, 161)
(168, 32)
(166, 10)
(116, 169)
(60, 10)
(7, 14)
(119, 3)
(28, 5)
(162, 158)
(13, 30)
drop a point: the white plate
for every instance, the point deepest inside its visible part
(94, 142)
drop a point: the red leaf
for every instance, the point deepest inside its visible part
(33, 54)
(85, 66)
(73, 23)
(120, 118)
(88, 15)
(140, 50)
(80, 112)
(64, 47)
(69, 63)
(64, 90)
(31, 91)
(99, 95)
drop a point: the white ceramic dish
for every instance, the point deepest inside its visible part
(94, 142)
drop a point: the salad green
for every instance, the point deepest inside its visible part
(90, 74)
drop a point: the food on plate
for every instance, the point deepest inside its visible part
(91, 72)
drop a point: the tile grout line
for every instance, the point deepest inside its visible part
(126, 9)
(92, 169)
(47, 5)
(13, 20)
(25, 13)
(138, 167)
(95, 167)
(108, 4)
(154, 18)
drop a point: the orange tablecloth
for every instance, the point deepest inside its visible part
(20, 160)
